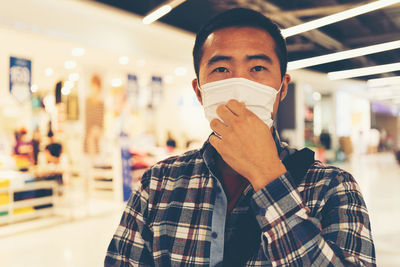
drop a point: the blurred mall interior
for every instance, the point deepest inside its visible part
(91, 96)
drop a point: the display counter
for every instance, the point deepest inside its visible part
(26, 195)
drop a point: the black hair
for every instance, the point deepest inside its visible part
(240, 17)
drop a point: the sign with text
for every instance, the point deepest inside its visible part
(132, 91)
(126, 167)
(156, 91)
(20, 78)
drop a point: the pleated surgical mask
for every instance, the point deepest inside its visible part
(259, 98)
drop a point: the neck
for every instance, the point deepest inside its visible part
(224, 168)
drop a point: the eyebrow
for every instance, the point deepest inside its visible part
(215, 59)
(219, 58)
(261, 57)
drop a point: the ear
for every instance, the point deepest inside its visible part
(196, 90)
(285, 83)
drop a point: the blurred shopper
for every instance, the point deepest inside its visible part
(36, 145)
(245, 198)
(53, 149)
(22, 145)
(94, 117)
(171, 143)
(325, 139)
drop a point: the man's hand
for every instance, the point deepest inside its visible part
(246, 144)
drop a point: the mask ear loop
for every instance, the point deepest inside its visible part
(275, 121)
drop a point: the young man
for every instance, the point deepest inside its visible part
(244, 198)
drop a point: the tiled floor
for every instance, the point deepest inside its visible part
(84, 242)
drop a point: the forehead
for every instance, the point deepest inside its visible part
(244, 39)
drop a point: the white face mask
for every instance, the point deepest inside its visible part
(259, 98)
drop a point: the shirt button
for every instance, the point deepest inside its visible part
(214, 235)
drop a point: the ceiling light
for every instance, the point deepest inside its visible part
(34, 88)
(74, 77)
(124, 60)
(70, 64)
(316, 96)
(388, 97)
(69, 84)
(384, 81)
(65, 90)
(353, 12)
(48, 72)
(158, 13)
(345, 74)
(161, 11)
(303, 63)
(116, 82)
(78, 52)
(141, 63)
(180, 71)
(168, 79)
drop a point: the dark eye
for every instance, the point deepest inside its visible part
(221, 69)
(258, 68)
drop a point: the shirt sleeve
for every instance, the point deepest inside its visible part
(338, 235)
(132, 242)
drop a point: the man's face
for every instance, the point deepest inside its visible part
(241, 52)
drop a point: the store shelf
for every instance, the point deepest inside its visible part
(4, 189)
(4, 207)
(102, 173)
(31, 215)
(103, 185)
(35, 185)
(4, 219)
(33, 202)
(29, 197)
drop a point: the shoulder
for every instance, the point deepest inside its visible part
(324, 181)
(320, 172)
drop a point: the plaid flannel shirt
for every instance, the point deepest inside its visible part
(177, 217)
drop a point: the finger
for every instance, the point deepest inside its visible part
(218, 126)
(236, 107)
(225, 114)
(216, 142)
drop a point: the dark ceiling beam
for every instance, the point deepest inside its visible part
(372, 39)
(317, 11)
(300, 47)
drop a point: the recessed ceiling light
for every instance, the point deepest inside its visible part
(316, 96)
(180, 71)
(116, 82)
(124, 60)
(48, 72)
(69, 84)
(78, 52)
(74, 77)
(66, 90)
(34, 88)
(141, 62)
(168, 79)
(70, 64)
